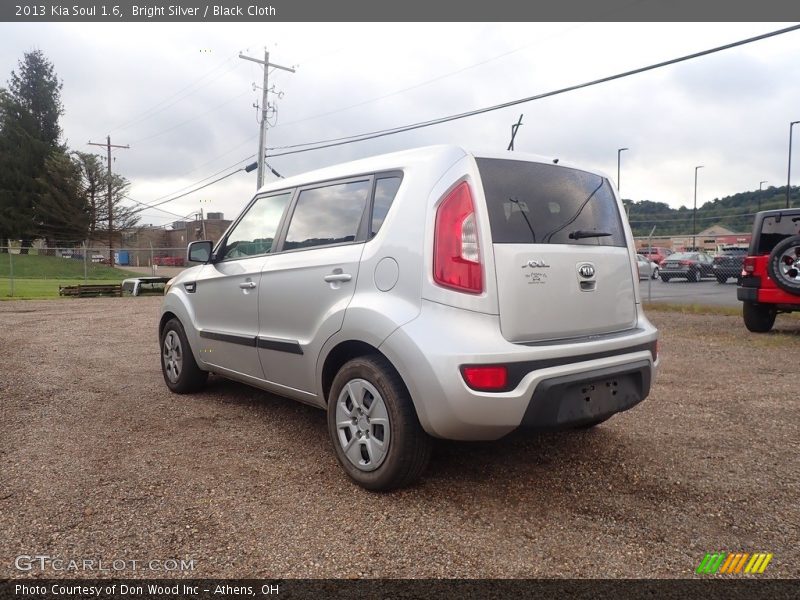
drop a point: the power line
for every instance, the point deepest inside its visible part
(187, 121)
(154, 110)
(155, 207)
(203, 179)
(322, 144)
(190, 191)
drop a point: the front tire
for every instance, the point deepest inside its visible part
(180, 370)
(655, 273)
(694, 276)
(665, 278)
(373, 426)
(758, 318)
(722, 279)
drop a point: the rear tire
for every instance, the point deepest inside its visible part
(721, 279)
(758, 318)
(655, 273)
(373, 426)
(694, 276)
(665, 278)
(180, 370)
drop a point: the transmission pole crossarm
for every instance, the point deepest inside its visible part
(262, 129)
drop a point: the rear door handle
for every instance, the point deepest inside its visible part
(337, 277)
(247, 285)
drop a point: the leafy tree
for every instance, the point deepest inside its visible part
(94, 175)
(38, 90)
(29, 134)
(62, 211)
(20, 153)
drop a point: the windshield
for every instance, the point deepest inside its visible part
(545, 204)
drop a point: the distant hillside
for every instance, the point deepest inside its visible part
(734, 212)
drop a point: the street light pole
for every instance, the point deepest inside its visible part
(789, 168)
(619, 152)
(627, 209)
(760, 183)
(694, 213)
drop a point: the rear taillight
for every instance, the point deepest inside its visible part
(687, 263)
(486, 378)
(456, 253)
(749, 265)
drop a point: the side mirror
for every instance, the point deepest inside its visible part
(199, 252)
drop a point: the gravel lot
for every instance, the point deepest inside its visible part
(98, 460)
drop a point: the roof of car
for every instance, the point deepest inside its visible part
(446, 155)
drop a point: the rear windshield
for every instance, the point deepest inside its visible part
(774, 231)
(546, 204)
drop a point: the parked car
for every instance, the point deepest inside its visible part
(140, 286)
(647, 268)
(771, 273)
(688, 265)
(728, 263)
(169, 261)
(655, 253)
(427, 293)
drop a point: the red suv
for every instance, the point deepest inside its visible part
(655, 253)
(771, 271)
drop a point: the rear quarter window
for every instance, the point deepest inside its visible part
(543, 204)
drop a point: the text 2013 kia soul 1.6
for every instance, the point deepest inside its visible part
(427, 293)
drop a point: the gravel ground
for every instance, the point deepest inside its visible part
(99, 461)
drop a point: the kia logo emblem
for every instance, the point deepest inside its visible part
(586, 271)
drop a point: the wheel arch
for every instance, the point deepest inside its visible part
(341, 354)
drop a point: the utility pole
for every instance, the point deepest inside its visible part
(262, 132)
(108, 145)
(760, 183)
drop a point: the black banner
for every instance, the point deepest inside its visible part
(135, 589)
(408, 10)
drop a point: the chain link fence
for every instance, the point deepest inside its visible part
(37, 272)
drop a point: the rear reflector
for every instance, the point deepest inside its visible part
(490, 378)
(749, 265)
(456, 252)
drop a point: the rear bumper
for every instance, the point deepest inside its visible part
(543, 378)
(579, 399)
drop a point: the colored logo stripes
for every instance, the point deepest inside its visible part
(733, 563)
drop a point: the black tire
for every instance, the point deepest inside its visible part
(758, 318)
(694, 276)
(190, 378)
(665, 278)
(789, 281)
(409, 447)
(722, 279)
(655, 273)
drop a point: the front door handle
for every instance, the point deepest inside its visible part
(247, 285)
(337, 277)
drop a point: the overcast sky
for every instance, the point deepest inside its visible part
(180, 96)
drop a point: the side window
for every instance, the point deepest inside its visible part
(385, 191)
(255, 232)
(327, 215)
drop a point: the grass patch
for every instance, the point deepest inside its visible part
(33, 266)
(693, 309)
(30, 289)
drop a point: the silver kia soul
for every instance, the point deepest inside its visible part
(428, 293)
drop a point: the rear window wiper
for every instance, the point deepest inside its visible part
(579, 234)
